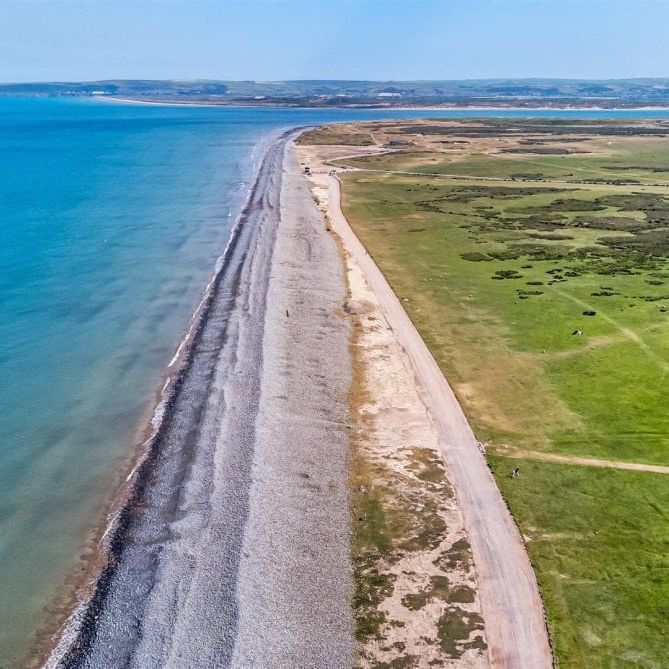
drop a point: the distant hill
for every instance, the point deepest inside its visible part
(615, 93)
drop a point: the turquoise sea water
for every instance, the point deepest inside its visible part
(111, 219)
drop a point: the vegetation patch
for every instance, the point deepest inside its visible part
(428, 466)
(456, 627)
(475, 256)
(507, 274)
(416, 600)
(541, 150)
(335, 135)
(402, 505)
(554, 237)
(532, 176)
(456, 557)
(405, 662)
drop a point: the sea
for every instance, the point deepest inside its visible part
(112, 216)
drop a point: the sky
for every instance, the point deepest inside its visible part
(83, 40)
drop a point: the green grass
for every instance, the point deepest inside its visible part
(631, 160)
(606, 385)
(497, 281)
(599, 542)
(334, 135)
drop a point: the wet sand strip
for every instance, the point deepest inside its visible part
(234, 548)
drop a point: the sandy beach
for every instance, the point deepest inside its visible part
(233, 550)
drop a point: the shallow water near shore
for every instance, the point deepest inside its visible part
(111, 219)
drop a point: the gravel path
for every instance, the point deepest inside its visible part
(511, 606)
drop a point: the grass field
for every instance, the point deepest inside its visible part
(498, 276)
(345, 135)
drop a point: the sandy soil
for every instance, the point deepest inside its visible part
(395, 437)
(508, 591)
(397, 434)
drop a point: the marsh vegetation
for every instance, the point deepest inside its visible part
(504, 252)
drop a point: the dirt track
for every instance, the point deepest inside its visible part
(512, 609)
(512, 452)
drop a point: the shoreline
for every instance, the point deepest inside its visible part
(76, 601)
(196, 510)
(380, 107)
(74, 593)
